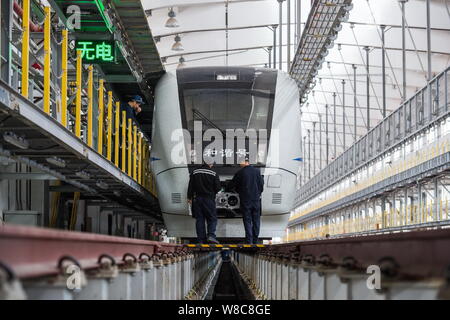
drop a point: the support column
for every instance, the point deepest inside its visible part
(354, 104)
(343, 115)
(383, 66)
(274, 28)
(299, 21)
(269, 50)
(402, 2)
(314, 148)
(430, 73)
(326, 135)
(280, 35)
(309, 154)
(335, 125)
(320, 142)
(288, 21)
(367, 49)
(304, 157)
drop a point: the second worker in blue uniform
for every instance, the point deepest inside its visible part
(249, 184)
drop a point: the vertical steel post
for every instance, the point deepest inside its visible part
(269, 50)
(78, 95)
(140, 159)
(320, 142)
(343, 115)
(430, 72)
(25, 46)
(288, 21)
(354, 104)
(274, 28)
(109, 133)
(47, 60)
(309, 154)
(314, 148)
(335, 124)
(299, 21)
(304, 157)
(383, 66)
(280, 35)
(130, 142)
(124, 141)
(326, 135)
(101, 111)
(117, 134)
(64, 60)
(90, 104)
(403, 48)
(134, 152)
(367, 49)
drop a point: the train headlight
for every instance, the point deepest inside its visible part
(232, 201)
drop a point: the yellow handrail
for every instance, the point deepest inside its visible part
(134, 152)
(124, 141)
(90, 96)
(129, 146)
(25, 46)
(101, 111)
(64, 59)
(78, 95)
(47, 61)
(117, 125)
(109, 133)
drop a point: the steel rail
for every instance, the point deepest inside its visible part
(407, 255)
(32, 252)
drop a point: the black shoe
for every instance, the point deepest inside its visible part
(213, 240)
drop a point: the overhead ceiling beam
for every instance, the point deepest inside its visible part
(195, 3)
(212, 51)
(218, 29)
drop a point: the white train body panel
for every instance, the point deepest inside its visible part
(280, 171)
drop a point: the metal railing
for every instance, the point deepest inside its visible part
(420, 111)
(80, 105)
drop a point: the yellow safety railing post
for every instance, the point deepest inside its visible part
(25, 46)
(64, 59)
(101, 111)
(47, 61)
(124, 141)
(78, 95)
(140, 159)
(130, 128)
(90, 93)
(117, 134)
(134, 152)
(109, 133)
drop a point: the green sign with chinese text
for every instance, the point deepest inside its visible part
(95, 51)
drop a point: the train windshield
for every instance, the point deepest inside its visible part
(244, 102)
(227, 108)
(224, 99)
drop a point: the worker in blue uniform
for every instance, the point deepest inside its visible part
(204, 183)
(133, 108)
(249, 184)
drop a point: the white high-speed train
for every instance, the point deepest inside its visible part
(195, 104)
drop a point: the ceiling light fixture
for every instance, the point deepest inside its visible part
(56, 161)
(182, 63)
(15, 140)
(83, 175)
(172, 22)
(102, 185)
(177, 46)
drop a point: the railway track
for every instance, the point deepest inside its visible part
(36, 263)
